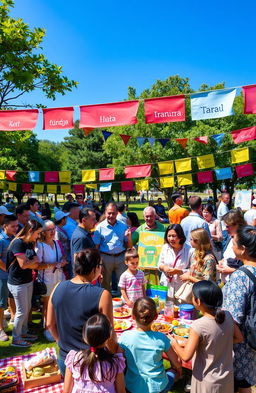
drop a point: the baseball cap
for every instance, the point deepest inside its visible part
(254, 202)
(3, 210)
(60, 214)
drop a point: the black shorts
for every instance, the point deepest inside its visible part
(241, 383)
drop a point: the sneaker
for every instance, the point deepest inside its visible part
(20, 343)
(7, 314)
(48, 336)
(29, 337)
(3, 336)
(187, 388)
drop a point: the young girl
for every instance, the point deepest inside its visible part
(203, 261)
(143, 351)
(211, 338)
(95, 370)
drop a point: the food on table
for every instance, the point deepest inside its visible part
(38, 372)
(40, 359)
(181, 330)
(47, 370)
(175, 323)
(121, 312)
(121, 325)
(161, 327)
(8, 378)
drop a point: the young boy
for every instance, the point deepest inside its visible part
(132, 281)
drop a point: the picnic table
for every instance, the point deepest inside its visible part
(17, 362)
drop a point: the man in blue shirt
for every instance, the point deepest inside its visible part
(194, 220)
(110, 237)
(73, 209)
(6, 236)
(33, 206)
(81, 237)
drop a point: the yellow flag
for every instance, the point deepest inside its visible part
(1, 185)
(166, 167)
(240, 155)
(183, 165)
(166, 182)
(65, 189)
(184, 180)
(38, 188)
(141, 185)
(65, 177)
(52, 188)
(88, 175)
(92, 186)
(2, 175)
(12, 186)
(206, 161)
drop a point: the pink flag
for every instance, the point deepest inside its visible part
(51, 177)
(244, 170)
(204, 177)
(10, 175)
(202, 139)
(58, 118)
(245, 134)
(127, 186)
(78, 188)
(165, 109)
(137, 171)
(26, 187)
(106, 174)
(18, 120)
(108, 115)
(125, 138)
(249, 93)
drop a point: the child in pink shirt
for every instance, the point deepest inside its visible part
(132, 281)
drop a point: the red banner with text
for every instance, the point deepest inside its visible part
(243, 135)
(137, 171)
(58, 118)
(106, 174)
(19, 120)
(108, 115)
(244, 170)
(165, 109)
(249, 99)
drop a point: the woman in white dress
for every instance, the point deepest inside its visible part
(51, 262)
(174, 259)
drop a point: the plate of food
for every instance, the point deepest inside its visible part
(161, 327)
(121, 325)
(122, 312)
(181, 330)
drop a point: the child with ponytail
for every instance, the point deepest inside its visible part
(95, 370)
(211, 339)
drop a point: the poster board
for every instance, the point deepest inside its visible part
(243, 199)
(150, 245)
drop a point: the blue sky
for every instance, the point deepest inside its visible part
(109, 45)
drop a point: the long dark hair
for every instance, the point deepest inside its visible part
(179, 232)
(96, 332)
(31, 226)
(134, 219)
(246, 236)
(144, 311)
(211, 296)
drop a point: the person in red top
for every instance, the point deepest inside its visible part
(177, 212)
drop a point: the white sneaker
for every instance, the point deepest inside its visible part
(7, 314)
(3, 336)
(48, 336)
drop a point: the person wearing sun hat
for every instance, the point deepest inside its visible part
(3, 212)
(60, 219)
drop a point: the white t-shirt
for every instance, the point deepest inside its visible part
(250, 216)
(222, 210)
(50, 255)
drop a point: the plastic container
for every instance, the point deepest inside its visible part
(117, 302)
(187, 311)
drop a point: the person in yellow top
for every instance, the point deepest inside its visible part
(177, 212)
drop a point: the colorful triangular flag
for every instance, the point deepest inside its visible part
(151, 141)
(106, 135)
(202, 139)
(125, 138)
(163, 141)
(218, 138)
(87, 131)
(140, 140)
(182, 142)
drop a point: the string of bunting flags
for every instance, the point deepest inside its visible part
(176, 168)
(204, 105)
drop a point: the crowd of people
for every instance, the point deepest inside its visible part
(84, 255)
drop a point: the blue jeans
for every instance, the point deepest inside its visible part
(3, 292)
(22, 295)
(62, 366)
(225, 240)
(171, 378)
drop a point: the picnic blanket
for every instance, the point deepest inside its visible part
(17, 362)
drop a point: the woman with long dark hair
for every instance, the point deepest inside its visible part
(21, 259)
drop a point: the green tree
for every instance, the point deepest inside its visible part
(49, 156)
(23, 66)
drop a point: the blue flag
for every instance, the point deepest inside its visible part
(104, 187)
(33, 176)
(223, 173)
(140, 140)
(106, 134)
(151, 141)
(212, 104)
(163, 141)
(218, 138)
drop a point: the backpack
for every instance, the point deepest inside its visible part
(250, 318)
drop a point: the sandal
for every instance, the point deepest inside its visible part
(20, 343)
